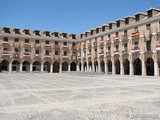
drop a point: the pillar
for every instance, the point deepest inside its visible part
(99, 66)
(156, 69)
(143, 68)
(113, 68)
(60, 68)
(20, 70)
(69, 67)
(51, 68)
(77, 68)
(82, 68)
(106, 68)
(31, 67)
(42, 67)
(122, 68)
(131, 68)
(10, 67)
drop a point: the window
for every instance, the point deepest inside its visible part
(37, 51)
(16, 39)
(16, 49)
(56, 34)
(127, 21)
(137, 17)
(97, 30)
(26, 40)
(73, 36)
(148, 44)
(26, 32)
(103, 28)
(109, 47)
(136, 43)
(37, 41)
(65, 53)
(5, 39)
(73, 53)
(56, 52)
(47, 42)
(118, 23)
(64, 35)
(148, 26)
(65, 43)
(135, 29)
(116, 34)
(110, 26)
(101, 37)
(117, 46)
(125, 45)
(150, 13)
(47, 52)
(125, 32)
(56, 42)
(5, 49)
(73, 44)
(109, 36)
(26, 50)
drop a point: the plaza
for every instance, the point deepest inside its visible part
(78, 96)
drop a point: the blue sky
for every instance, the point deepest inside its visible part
(71, 16)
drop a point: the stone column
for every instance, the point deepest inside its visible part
(156, 69)
(99, 66)
(77, 69)
(31, 67)
(106, 68)
(60, 68)
(82, 68)
(42, 67)
(69, 67)
(143, 68)
(93, 67)
(113, 67)
(122, 68)
(131, 68)
(51, 68)
(20, 70)
(10, 67)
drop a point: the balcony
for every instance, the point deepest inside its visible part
(108, 53)
(158, 47)
(74, 47)
(56, 47)
(47, 46)
(27, 44)
(135, 36)
(101, 53)
(65, 47)
(125, 51)
(26, 54)
(5, 42)
(116, 39)
(65, 56)
(47, 56)
(5, 53)
(101, 42)
(89, 55)
(136, 49)
(56, 58)
(37, 45)
(116, 52)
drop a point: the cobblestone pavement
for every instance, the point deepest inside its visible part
(35, 96)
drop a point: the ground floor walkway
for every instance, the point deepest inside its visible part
(78, 96)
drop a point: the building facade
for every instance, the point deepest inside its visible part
(129, 46)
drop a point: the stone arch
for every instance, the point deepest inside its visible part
(26, 66)
(36, 66)
(126, 67)
(96, 66)
(109, 64)
(150, 67)
(46, 66)
(15, 65)
(73, 66)
(137, 67)
(117, 66)
(64, 66)
(4, 65)
(103, 66)
(56, 67)
(85, 66)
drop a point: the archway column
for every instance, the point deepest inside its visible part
(77, 68)
(143, 68)
(113, 68)
(156, 70)
(93, 67)
(42, 67)
(20, 69)
(60, 68)
(131, 68)
(69, 67)
(31, 67)
(51, 68)
(121, 68)
(99, 66)
(82, 67)
(10, 67)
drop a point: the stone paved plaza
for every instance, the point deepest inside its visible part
(78, 96)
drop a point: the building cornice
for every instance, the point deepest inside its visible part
(39, 37)
(148, 20)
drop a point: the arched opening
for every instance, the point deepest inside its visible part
(109, 66)
(4, 66)
(64, 66)
(96, 66)
(90, 66)
(126, 67)
(56, 67)
(26, 66)
(46, 66)
(117, 64)
(85, 67)
(15, 66)
(137, 67)
(150, 67)
(36, 66)
(103, 67)
(73, 66)
(80, 65)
